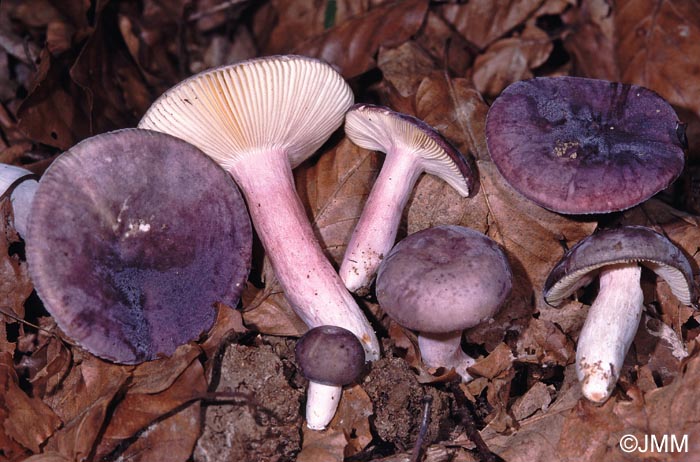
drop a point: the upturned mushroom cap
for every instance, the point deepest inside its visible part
(233, 111)
(443, 279)
(621, 245)
(133, 237)
(579, 146)
(378, 128)
(21, 185)
(330, 355)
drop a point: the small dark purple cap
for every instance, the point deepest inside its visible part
(330, 355)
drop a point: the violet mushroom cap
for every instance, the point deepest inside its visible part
(579, 146)
(133, 237)
(440, 281)
(20, 184)
(615, 255)
(412, 147)
(330, 357)
(259, 119)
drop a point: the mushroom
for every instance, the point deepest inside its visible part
(329, 357)
(259, 119)
(579, 146)
(615, 256)
(21, 185)
(412, 147)
(133, 237)
(440, 281)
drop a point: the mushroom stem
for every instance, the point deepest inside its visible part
(445, 350)
(310, 283)
(375, 232)
(610, 327)
(21, 186)
(321, 404)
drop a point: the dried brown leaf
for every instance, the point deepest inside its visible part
(657, 45)
(537, 398)
(447, 47)
(592, 43)
(484, 21)
(325, 446)
(268, 311)
(542, 342)
(27, 420)
(352, 45)
(405, 66)
(352, 418)
(142, 407)
(511, 59)
(15, 285)
(298, 21)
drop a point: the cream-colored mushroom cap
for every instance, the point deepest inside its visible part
(286, 103)
(378, 128)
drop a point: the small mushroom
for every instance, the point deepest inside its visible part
(579, 146)
(615, 256)
(133, 237)
(330, 357)
(21, 185)
(412, 147)
(259, 119)
(440, 281)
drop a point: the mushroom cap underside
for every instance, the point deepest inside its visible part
(378, 128)
(627, 244)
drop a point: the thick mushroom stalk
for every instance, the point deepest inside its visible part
(321, 404)
(412, 147)
(259, 119)
(445, 350)
(613, 318)
(21, 185)
(612, 322)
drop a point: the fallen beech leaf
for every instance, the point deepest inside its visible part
(447, 46)
(542, 342)
(269, 312)
(656, 41)
(592, 43)
(228, 321)
(405, 66)
(298, 21)
(493, 365)
(28, 421)
(483, 21)
(172, 438)
(157, 376)
(142, 406)
(83, 403)
(537, 398)
(325, 446)
(352, 45)
(511, 59)
(47, 457)
(15, 285)
(352, 419)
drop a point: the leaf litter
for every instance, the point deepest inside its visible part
(74, 69)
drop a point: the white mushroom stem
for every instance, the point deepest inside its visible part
(310, 283)
(610, 327)
(375, 232)
(445, 350)
(22, 194)
(321, 404)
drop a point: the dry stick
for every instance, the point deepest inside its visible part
(425, 421)
(465, 416)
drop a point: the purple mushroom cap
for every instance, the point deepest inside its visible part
(444, 279)
(330, 355)
(577, 146)
(133, 237)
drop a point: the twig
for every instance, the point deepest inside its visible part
(465, 414)
(425, 421)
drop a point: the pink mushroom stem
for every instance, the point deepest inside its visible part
(445, 350)
(313, 288)
(375, 232)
